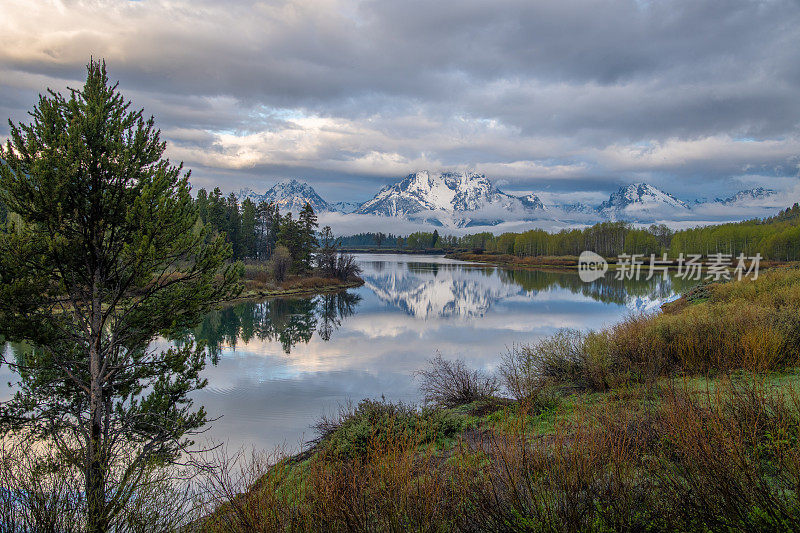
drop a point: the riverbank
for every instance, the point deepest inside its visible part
(570, 262)
(259, 283)
(294, 287)
(687, 419)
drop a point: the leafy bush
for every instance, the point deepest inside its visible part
(355, 430)
(570, 357)
(280, 262)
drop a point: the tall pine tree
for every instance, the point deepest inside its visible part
(307, 221)
(104, 255)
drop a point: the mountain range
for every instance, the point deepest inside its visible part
(466, 199)
(451, 199)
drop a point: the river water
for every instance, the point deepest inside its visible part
(280, 364)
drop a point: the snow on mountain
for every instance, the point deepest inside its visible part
(532, 201)
(750, 196)
(289, 195)
(751, 203)
(427, 295)
(466, 200)
(578, 207)
(345, 207)
(457, 199)
(640, 202)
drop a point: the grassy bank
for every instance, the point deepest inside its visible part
(687, 419)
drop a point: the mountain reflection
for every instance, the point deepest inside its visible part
(437, 291)
(288, 321)
(636, 294)
(427, 290)
(442, 290)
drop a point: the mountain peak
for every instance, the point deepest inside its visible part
(451, 198)
(639, 202)
(749, 195)
(289, 195)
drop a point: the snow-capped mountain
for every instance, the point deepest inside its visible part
(345, 207)
(640, 202)
(749, 196)
(751, 203)
(466, 199)
(578, 207)
(452, 198)
(532, 201)
(289, 195)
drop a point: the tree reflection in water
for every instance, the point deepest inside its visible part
(607, 289)
(287, 320)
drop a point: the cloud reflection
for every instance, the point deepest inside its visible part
(270, 392)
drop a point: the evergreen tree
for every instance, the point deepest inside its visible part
(202, 205)
(267, 230)
(290, 237)
(274, 222)
(307, 222)
(103, 257)
(326, 258)
(233, 225)
(248, 229)
(216, 210)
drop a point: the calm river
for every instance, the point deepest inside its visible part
(279, 364)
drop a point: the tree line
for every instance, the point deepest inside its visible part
(776, 237)
(370, 239)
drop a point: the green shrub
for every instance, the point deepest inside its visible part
(356, 430)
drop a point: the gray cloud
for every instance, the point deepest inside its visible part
(698, 96)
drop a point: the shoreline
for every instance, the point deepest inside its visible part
(569, 263)
(294, 291)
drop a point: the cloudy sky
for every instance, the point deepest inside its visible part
(698, 97)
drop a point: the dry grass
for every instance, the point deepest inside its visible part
(724, 458)
(388, 484)
(313, 282)
(749, 325)
(727, 459)
(731, 456)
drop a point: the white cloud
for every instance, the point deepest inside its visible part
(578, 96)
